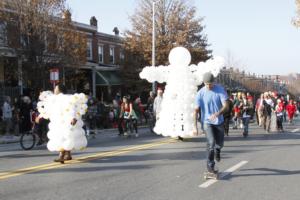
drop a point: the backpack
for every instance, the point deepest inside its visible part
(267, 108)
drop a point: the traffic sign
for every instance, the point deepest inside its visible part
(54, 75)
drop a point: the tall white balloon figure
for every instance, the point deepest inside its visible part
(60, 110)
(178, 104)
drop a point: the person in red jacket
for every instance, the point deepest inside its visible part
(291, 110)
(279, 109)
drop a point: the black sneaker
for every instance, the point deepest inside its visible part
(212, 170)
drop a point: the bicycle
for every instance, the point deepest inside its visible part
(28, 140)
(31, 138)
(131, 125)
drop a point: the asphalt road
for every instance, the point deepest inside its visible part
(262, 166)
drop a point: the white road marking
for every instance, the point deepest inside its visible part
(295, 130)
(223, 174)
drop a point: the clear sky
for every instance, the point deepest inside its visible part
(257, 33)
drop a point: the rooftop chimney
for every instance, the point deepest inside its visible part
(93, 21)
(116, 31)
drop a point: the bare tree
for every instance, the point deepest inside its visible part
(176, 24)
(47, 37)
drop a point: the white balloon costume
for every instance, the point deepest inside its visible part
(178, 104)
(60, 110)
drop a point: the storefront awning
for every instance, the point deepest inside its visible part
(107, 78)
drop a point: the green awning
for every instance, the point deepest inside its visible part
(107, 78)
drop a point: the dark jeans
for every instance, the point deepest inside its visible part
(246, 125)
(120, 126)
(284, 116)
(41, 129)
(91, 123)
(130, 124)
(215, 142)
(226, 124)
(279, 120)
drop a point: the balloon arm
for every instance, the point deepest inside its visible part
(152, 74)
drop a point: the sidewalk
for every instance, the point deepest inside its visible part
(15, 139)
(7, 139)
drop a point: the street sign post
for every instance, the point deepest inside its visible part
(54, 76)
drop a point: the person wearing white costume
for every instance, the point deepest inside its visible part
(157, 103)
(65, 128)
(182, 79)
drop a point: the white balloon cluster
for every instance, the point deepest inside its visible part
(61, 109)
(177, 110)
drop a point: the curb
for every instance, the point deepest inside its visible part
(9, 141)
(99, 131)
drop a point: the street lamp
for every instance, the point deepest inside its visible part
(153, 41)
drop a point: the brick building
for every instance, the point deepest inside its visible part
(104, 58)
(10, 65)
(99, 76)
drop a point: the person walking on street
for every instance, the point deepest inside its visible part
(291, 110)
(150, 101)
(237, 110)
(25, 110)
(91, 120)
(279, 114)
(118, 117)
(157, 103)
(268, 106)
(227, 116)
(247, 110)
(212, 100)
(259, 110)
(7, 115)
(63, 154)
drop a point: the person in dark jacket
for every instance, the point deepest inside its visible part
(25, 110)
(247, 111)
(227, 116)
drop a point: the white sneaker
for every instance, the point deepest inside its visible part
(125, 134)
(136, 135)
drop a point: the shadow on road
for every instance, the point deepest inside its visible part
(266, 172)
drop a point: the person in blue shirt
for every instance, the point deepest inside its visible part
(212, 101)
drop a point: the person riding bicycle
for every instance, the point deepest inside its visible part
(129, 116)
(40, 126)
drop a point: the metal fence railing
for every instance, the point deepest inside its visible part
(13, 92)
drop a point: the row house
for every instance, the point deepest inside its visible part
(105, 56)
(101, 77)
(10, 64)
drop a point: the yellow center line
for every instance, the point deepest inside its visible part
(19, 172)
